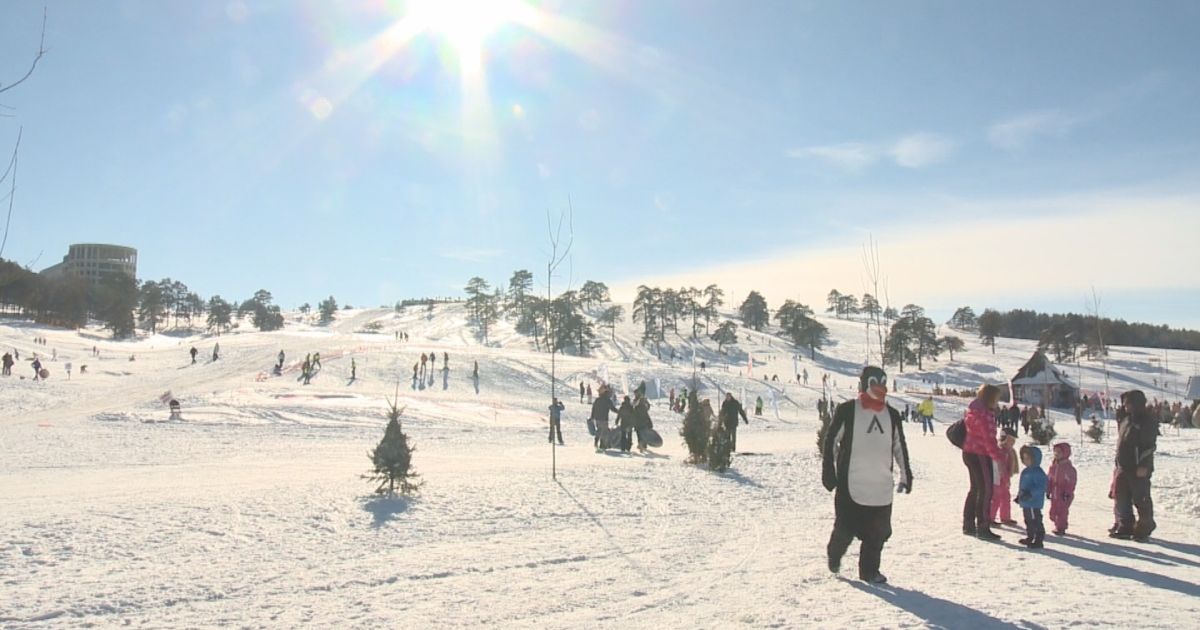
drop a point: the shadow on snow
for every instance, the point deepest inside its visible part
(384, 508)
(937, 613)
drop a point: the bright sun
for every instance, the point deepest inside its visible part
(464, 23)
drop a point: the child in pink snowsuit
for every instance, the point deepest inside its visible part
(1005, 469)
(1060, 488)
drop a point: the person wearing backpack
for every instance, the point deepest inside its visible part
(980, 449)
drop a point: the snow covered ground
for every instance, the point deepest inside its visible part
(251, 511)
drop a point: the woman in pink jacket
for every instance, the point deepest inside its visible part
(1060, 487)
(979, 451)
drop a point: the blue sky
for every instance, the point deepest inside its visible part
(362, 152)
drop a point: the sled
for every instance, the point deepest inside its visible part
(591, 425)
(650, 438)
(44, 373)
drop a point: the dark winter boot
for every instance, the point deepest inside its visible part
(839, 541)
(988, 535)
(878, 578)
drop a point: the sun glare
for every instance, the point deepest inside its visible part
(464, 23)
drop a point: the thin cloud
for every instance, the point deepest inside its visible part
(852, 156)
(921, 149)
(916, 150)
(1017, 133)
(471, 255)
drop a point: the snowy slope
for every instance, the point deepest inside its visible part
(251, 512)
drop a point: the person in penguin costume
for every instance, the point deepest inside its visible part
(864, 447)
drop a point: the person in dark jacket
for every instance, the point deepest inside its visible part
(730, 410)
(625, 420)
(556, 409)
(641, 420)
(863, 448)
(600, 410)
(193, 352)
(1137, 439)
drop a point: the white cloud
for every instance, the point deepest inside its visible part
(1016, 133)
(590, 120)
(915, 150)
(852, 156)
(543, 170)
(921, 149)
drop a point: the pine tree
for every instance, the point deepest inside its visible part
(116, 298)
(897, 348)
(610, 318)
(328, 309)
(392, 460)
(754, 311)
(713, 301)
(482, 305)
(725, 335)
(989, 328)
(834, 302)
(964, 319)
(220, 314)
(152, 308)
(517, 298)
(593, 294)
(953, 344)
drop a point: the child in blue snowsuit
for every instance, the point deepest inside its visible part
(1031, 496)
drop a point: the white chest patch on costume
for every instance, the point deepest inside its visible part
(870, 464)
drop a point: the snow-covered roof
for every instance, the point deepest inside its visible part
(1047, 375)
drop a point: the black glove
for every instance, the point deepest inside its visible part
(905, 487)
(829, 478)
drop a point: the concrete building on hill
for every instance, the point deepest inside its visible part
(93, 261)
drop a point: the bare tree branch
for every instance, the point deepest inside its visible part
(12, 193)
(41, 51)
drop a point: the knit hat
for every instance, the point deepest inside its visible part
(871, 375)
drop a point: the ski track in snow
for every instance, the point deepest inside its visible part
(251, 510)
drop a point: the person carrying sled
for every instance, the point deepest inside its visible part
(1137, 439)
(37, 369)
(730, 410)
(641, 419)
(863, 445)
(625, 422)
(601, 407)
(1060, 487)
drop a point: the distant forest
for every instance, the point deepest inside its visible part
(1063, 333)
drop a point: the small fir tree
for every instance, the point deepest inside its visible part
(1095, 432)
(696, 428)
(1042, 431)
(392, 459)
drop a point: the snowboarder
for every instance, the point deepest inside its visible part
(193, 352)
(1137, 438)
(1031, 495)
(216, 351)
(1060, 487)
(7, 364)
(556, 409)
(730, 410)
(864, 439)
(978, 452)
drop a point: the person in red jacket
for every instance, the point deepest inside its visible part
(1060, 488)
(979, 451)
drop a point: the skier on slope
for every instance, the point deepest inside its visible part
(864, 438)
